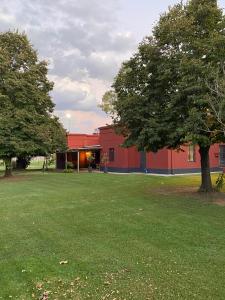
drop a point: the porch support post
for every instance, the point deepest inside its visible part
(66, 160)
(78, 161)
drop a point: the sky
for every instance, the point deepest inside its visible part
(85, 42)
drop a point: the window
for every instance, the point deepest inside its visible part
(111, 154)
(191, 153)
(222, 155)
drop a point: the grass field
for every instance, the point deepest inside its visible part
(103, 236)
(35, 164)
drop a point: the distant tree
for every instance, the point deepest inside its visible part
(216, 99)
(27, 124)
(108, 101)
(163, 94)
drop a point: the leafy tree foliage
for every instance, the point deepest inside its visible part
(108, 100)
(162, 91)
(217, 100)
(27, 124)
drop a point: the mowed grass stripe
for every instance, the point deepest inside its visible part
(124, 237)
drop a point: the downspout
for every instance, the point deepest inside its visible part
(171, 162)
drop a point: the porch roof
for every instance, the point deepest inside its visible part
(93, 147)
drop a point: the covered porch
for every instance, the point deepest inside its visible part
(77, 159)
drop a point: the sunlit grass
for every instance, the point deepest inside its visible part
(116, 236)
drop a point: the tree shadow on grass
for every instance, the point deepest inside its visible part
(16, 176)
(217, 198)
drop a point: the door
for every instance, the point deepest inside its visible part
(143, 161)
(60, 160)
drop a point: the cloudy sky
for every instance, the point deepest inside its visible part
(85, 42)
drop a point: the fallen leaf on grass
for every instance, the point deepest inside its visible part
(44, 296)
(77, 279)
(39, 286)
(63, 262)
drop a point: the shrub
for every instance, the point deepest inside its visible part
(68, 171)
(90, 159)
(69, 165)
(220, 182)
(105, 161)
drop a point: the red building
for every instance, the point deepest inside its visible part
(80, 147)
(165, 161)
(76, 141)
(127, 160)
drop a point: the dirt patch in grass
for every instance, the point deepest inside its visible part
(14, 178)
(169, 190)
(217, 198)
(220, 202)
(108, 286)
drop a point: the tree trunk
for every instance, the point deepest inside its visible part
(8, 166)
(22, 163)
(45, 165)
(206, 184)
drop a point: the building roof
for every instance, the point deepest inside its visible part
(105, 127)
(87, 148)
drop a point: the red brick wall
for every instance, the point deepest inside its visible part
(158, 160)
(133, 158)
(163, 161)
(108, 139)
(180, 158)
(82, 140)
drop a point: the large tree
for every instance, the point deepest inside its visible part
(163, 91)
(27, 124)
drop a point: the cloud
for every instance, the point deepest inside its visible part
(78, 95)
(83, 122)
(81, 41)
(5, 17)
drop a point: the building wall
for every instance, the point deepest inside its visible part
(158, 162)
(165, 161)
(168, 161)
(82, 140)
(133, 158)
(125, 159)
(180, 161)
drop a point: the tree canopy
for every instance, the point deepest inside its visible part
(27, 123)
(162, 91)
(108, 100)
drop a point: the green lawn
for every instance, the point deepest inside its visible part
(123, 237)
(35, 164)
